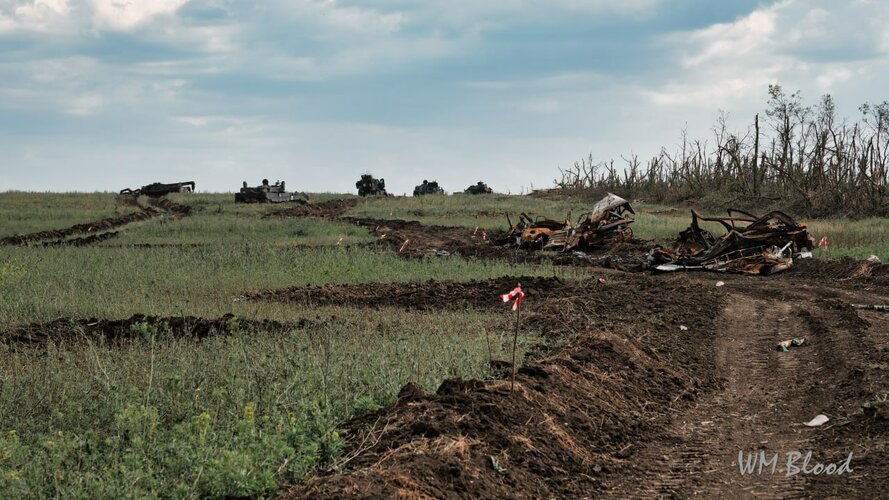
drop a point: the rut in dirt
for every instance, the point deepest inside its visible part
(766, 397)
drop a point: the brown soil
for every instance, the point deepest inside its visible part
(631, 405)
(66, 330)
(412, 239)
(326, 209)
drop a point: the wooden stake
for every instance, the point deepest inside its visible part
(515, 339)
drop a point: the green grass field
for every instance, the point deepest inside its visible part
(243, 411)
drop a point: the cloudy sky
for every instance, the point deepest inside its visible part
(106, 94)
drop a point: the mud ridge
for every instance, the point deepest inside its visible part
(100, 230)
(70, 330)
(325, 210)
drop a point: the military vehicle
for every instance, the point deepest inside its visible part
(268, 193)
(368, 186)
(428, 188)
(478, 188)
(157, 189)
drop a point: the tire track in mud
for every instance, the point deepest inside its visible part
(765, 398)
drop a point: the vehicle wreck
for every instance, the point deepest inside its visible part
(370, 186)
(157, 189)
(750, 245)
(268, 193)
(607, 223)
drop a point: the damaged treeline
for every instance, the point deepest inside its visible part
(800, 157)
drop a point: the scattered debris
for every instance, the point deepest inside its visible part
(720, 283)
(765, 245)
(608, 222)
(872, 307)
(817, 421)
(368, 186)
(157, 189)
(428, 188)
(683, 328)
(268, 193)
(478, 188)
(784, 345)
(873, 259)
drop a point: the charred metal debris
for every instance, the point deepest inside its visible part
(750, 245)
(158, 189)
(607, 223)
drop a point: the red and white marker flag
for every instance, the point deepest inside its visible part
(516, 294)
(403, 246)
(823, 242)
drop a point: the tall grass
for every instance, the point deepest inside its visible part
(235, 414)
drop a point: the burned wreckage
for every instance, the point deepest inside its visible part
(750, 245)
(607, 223)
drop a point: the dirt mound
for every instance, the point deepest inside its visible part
(844, 270)
(75, 330)
(82, 241)
(326, 209)
(171, 206)
(89, 227)
(574, 413)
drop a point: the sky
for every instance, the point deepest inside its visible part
(99, 95)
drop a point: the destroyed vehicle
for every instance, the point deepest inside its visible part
(268, 193)
(607, 223)
(478, 188)
(750, 245)
(158, 189)
(428, 188)
(368, 186)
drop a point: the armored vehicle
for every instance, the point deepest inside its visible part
(268, 193)
(428, 188)
(478, 188)
(157, 189)
(368, 186)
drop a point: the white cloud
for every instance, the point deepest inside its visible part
(128, 14)
(84, 105)
(732, 40)
(35, 15)
(815, 46)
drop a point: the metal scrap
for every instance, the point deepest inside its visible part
(750, 245)
(607, 223)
